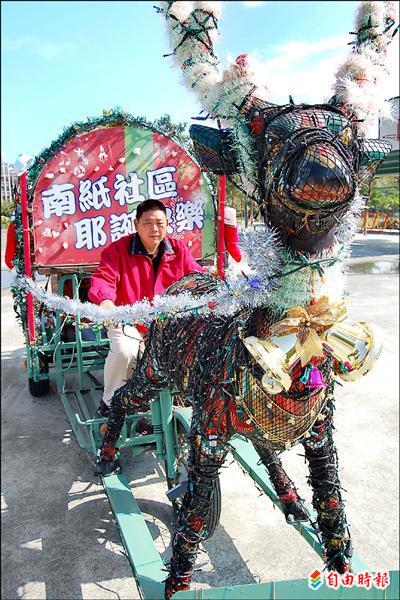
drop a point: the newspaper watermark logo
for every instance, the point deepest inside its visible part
(315, 580)
(380, 580)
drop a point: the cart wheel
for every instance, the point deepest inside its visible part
(181, 474)
(39, 388)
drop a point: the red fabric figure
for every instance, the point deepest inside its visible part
(11, 245)
(231, 234)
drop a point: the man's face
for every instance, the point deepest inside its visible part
(152, 228)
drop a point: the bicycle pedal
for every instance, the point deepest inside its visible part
(178, 490)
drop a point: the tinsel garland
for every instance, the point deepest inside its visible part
(231, 296)
(347, 227)
(273, 275)
(111, 118)
(192, 31)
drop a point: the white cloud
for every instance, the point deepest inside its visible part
(306, 70)
(253, 3)
(33, 45)
(299, 50)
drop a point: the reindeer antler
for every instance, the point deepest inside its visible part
(193, 30)
(359, 79)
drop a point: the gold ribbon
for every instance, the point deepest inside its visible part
(308, 323)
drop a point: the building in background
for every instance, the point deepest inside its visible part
(389, 131)
(382, 211)
(9, 179)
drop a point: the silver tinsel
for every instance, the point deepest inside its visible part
(271, 275)
(348, 226)
(263, 250)
(300, 286)
(233, 294)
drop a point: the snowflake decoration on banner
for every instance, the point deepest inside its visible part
(102, 156)
(81, 155)
(79, 171)
(163, 154)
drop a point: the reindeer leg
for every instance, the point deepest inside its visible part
(292, 506)
(204, 463)
(147, 380)
(322, 458)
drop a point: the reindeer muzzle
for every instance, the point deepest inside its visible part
(310, 157)
(320, 177)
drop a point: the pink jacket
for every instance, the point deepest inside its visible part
(125, 274)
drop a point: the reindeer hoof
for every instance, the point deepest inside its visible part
(295, 512)
(108, 467)
(173, 585)
(339, 560)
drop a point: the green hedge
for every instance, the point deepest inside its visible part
(7, 208)
(4, 222)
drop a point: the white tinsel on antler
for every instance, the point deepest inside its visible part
(359, 79)
(348, 225)
(193, 30)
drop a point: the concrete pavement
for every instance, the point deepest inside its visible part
(58, 537)
(375, 244)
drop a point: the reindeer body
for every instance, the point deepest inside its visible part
(302, 165)
(206, 361)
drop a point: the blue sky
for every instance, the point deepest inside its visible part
(64, 61)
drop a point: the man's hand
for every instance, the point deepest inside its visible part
(107, 304)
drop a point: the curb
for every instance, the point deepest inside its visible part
(358, 260)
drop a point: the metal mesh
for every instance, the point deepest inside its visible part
(307, 158)
(372, 154)
(213, 149)
(282, 419)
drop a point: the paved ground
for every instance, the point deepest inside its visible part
(58, 537)
(375, 244)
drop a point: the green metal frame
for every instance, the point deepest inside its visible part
(147, 565)
(149, 569)
(294, 589)
(80, 356)
(80, 403)
(245, 454)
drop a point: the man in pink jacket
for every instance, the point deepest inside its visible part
(135, 267)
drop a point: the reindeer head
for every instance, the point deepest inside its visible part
(302, 164)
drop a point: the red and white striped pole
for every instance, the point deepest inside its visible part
(221, 218)
(27, 254)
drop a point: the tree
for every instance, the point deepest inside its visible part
(385, 195)
(165, 124)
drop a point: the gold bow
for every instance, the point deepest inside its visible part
(308, 323)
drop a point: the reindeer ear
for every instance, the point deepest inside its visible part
(214, 149)
(373, 153)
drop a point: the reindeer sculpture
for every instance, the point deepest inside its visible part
(266, 367)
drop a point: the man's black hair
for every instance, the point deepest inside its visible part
(149, 204)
